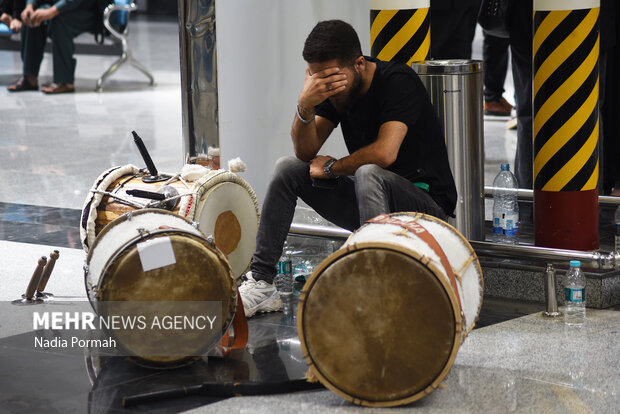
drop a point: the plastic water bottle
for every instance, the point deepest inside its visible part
(617, 238)
(575, 312)
(505, 207)
(284, 281)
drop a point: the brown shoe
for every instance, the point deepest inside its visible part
(498, 108)
(55, 88)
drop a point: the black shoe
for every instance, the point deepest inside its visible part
(22, 85)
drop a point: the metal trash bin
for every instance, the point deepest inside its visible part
(455, 89)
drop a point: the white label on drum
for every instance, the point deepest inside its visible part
(156, 253)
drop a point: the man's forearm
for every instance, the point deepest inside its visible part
(367, 155)
(305, 137)
(382, 152)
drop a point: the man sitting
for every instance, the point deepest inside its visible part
(62, 21)
(398, 159)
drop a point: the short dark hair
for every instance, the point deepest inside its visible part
(332, 39)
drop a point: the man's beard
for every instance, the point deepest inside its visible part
(346, 102)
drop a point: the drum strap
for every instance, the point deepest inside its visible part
(240, 326)
(419, 230)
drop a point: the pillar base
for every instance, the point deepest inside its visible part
(566, 219)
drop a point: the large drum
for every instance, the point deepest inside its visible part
(153, 262)
(221, 202)
(381, 319)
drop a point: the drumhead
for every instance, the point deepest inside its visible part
(229, 212)
(121, 231)
(377, 324)
(460, 255)
(199, 274)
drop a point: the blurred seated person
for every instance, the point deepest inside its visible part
(10, 11)
(62, 21)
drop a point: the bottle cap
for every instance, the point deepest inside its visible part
(575, 263)
(505, 167)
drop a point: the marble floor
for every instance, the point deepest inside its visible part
(52, 147)
(514, 361)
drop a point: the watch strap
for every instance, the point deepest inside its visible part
(327, 168)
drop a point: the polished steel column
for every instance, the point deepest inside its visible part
(455, 89)
(199, 81)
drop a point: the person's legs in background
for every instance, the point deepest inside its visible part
(453, 29)
(495, 57)
(63, 29)
(33, 46)
(521, 50)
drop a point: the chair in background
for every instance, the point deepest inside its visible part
(116, 20)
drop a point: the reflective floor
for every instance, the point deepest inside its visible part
(67, 381)
(52, 148)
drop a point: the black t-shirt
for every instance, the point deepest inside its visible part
(397, 94)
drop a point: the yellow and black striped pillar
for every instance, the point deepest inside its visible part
(400, 30)
(566, 123)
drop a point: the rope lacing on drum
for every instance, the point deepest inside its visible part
(89, 211)
(461, 271)
(177, 177)
(206, 182)
(131, 200)
(143, 232)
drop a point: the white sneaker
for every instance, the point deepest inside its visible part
(259, 296)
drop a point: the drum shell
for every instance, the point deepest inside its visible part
(221, 202)
(360, 328)
(110, 208)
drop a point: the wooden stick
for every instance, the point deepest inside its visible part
(36, 276)
(47, 270)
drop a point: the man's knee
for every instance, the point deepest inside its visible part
(369, 173)
(289, 165)
(290, 169)
(56, 27)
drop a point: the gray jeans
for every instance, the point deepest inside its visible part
(372, 191)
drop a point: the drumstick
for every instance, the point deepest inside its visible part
(34, 280)
(47, 270)
(223, 390)
(146, 194)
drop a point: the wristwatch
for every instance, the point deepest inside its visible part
(327, 168)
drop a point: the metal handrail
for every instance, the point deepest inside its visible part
(593, 260)
(526, 194)
(324, 232)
